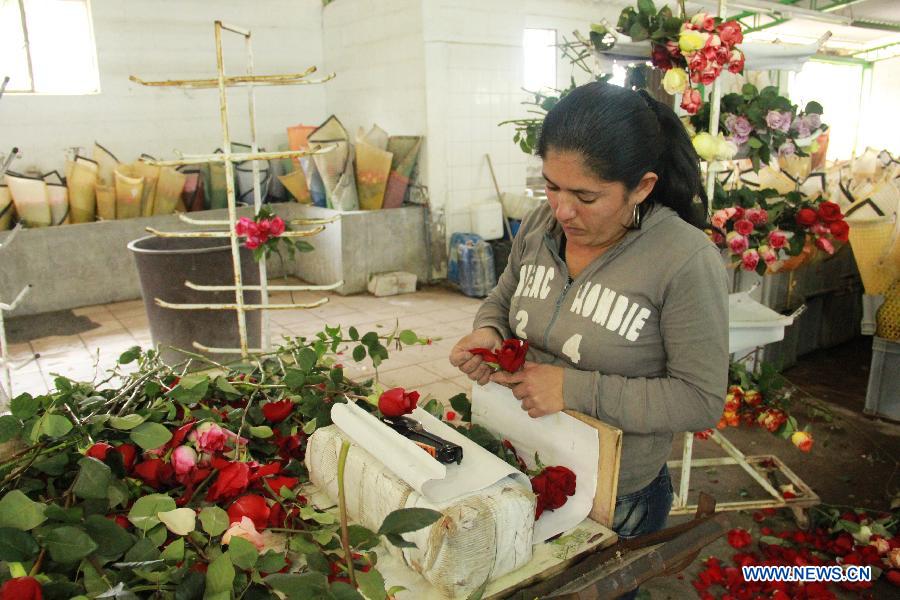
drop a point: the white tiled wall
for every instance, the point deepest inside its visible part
(376, 50)
(173, 40)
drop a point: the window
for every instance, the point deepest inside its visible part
(837, 87)
(540, 59)
(48, 47)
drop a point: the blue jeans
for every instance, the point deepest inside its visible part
(644, 511)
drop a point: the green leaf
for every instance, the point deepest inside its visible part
(191, 389)
(353, 333)
(361, 537)
(68, 544)
(16, 546)
(359, 353)
(54, 464)
(434, 408)
(225, 386)
(112, 540)
(461, 404)
(646, 7)
(144, 551)
(127, 422)
(180, 521)
(371, 584)
(638, 32)
(130, 355)
(54, 426)
(174, 551)
(191, 587)
(271, 562)
(398, 541)
(299, 586)
(219, 575)
(24, 406)
(143, 514)
(369, 339)
(243, 553)
(19, 512)
(755, 142)
(408, 337)
(814, 107)
(261, 431)
(10, 428)
(344, 591)
(306, 359)
(150, 436)
(310, 427)
(405, 520)
(214, 520)
(478, 593)
(92, 480)
(294, 379)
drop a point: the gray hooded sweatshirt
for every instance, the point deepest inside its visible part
(642, 332)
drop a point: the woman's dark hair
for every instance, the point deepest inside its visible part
(624, 134)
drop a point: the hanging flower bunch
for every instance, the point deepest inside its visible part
(264, 232)
(823, 223)
(759, 399)
(762, 124)
(689, 51)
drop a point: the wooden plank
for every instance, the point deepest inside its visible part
(607, 468)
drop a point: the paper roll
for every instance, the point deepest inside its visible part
(129, 190)
(29, 194)
(372, 169)
(168, 191)
(81, 180)
(106, 202)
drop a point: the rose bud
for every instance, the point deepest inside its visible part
(397, 402)
(184, 459)
(511, 355)
(803, 440)
(21, 588)
(98, 450)
(276, 412)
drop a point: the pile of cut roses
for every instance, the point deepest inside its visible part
(174, 483)
(836, 537)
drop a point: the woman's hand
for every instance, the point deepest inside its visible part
(470, 364)
(539, 387)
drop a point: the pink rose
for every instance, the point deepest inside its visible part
(777, 239)
(697, 63)
(276, 226)
(736, 242)
(245, 226)
(736, 62)
(718, 239)
(708, 75)
(824, 245)
(757, 216)
(719, 218)
(703, 21)
(723, 55)
(743, 227)
(768, 255)
(749, 260)
(730, 32)
(246, 530)
(732, 211)
(209, 437)
(821, 229)
(184, 460)
(691, 101)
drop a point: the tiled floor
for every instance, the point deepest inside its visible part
(434, 312)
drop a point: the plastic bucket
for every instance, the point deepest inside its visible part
(164, 264)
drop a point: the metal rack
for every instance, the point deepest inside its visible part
(250, 81)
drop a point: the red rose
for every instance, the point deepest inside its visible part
(840, 230)
(276, 483)
(291, 446)
(744, 226)
(697, 63)
(276, 226)
(807, 217)
(830, 212)
(892, 576)
(730, 33)
(232, 480)
(120, 520)
(553, 486)
(129, 453)
(180, 434)
(252, 506)
(276, 412)
(660, 57)
(21, 588)
(154, 472)
(98, 450)
(485, 354)
(397, 402)
(511, 355)
(739, 538)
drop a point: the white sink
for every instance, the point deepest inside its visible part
(752, 324)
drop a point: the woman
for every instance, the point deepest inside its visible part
(622, 298)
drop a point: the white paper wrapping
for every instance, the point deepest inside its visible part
(484, 534)
(558, 439)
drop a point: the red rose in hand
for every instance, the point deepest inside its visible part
(21, 588)
(98, 450)
(840, 230)
(276, 412)
(553, 486)
(739, 538)
(511, 355)
(830, 212)
(232, 481)
(252, 506)
(397, 402)
(807, 217)
(485, 354)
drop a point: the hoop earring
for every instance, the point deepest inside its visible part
(636, 218)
